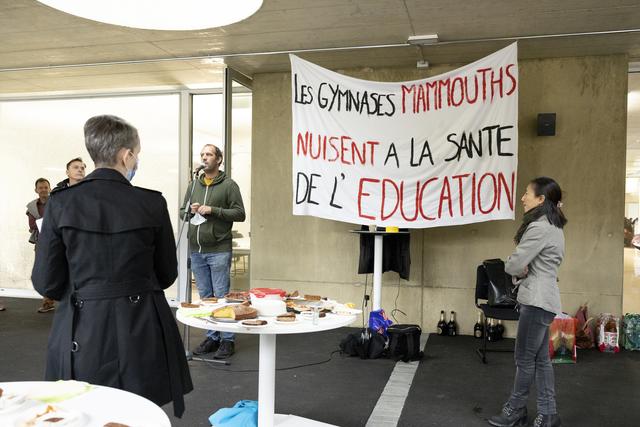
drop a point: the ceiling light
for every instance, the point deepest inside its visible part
(160, 14)
(423, 40)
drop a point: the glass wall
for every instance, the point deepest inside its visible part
(38, 138)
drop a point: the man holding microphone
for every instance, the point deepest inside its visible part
(216, 203)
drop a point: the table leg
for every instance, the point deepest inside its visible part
(266, 380)
(377, 272)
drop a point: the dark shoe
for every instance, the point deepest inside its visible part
(510, 417)
(207, 346)
(226, 350)
(547, 421)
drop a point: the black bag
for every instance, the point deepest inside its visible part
(501, 292)
(366, 344)
(404, 342)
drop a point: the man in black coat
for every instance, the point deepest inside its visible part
(106, 252)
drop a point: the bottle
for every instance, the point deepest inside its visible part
(442, 325)
(478, 330)
(499, 330)
(491, 331)
(452, 328)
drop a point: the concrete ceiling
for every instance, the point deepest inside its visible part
(42, 39)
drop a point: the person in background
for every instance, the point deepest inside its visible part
(75, 173)
(107, 252)
(534, 268)
(35, 211)
(217, 203)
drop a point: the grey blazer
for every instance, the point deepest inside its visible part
(542, 250)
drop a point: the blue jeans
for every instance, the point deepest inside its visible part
(211, 271)
(532, 360)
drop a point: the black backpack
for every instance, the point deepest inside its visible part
(366, 344)
(404, 342)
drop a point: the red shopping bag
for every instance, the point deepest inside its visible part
(562, 339)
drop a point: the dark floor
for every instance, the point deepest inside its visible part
(451, 386)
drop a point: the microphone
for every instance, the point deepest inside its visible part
(199, 168)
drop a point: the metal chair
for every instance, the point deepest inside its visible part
(482, 293)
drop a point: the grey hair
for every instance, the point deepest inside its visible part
(106, 135)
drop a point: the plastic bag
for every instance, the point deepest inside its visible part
(562, 339)
(608, 330)
(243, 414)
(379, 322)
(631, 331)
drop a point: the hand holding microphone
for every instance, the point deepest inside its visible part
(197, 170)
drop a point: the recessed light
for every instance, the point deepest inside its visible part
(160, 14)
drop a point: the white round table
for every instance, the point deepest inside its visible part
(267, 357)
(100, 405)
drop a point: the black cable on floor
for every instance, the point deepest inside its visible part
(288, 368)
(395, 305)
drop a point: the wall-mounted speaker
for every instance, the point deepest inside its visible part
(546, 124)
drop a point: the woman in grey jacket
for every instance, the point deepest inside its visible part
(534, 266)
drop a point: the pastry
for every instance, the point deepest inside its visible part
(287, 317)
(236, 312)
(254, 322)
(210, 299)
(312, 297)
(188, 305)
(237, 296)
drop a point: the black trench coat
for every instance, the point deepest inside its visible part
(107, 252)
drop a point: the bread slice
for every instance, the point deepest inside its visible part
(287, 317)
(188, 305)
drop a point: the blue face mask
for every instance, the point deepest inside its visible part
(132, 172)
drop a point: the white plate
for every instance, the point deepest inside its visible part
(284, 322)
(10, 401)
(59, 390)
(71, 418)
(221, 320)
(253, 326)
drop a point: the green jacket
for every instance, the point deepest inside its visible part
(225, 199)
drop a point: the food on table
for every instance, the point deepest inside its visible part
(237, 296)
(188, 305)
(210, 299)
(287, 317)
(115, 425)
(312, 297)
(53, 416)
(237, 312)
(255, 322)
(294, 294)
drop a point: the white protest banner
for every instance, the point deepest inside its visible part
(424, 153)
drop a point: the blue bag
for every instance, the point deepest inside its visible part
(379, 322)
(243, 414)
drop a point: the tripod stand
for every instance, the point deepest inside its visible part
(185, 222)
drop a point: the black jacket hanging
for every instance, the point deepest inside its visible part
(395, 253)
